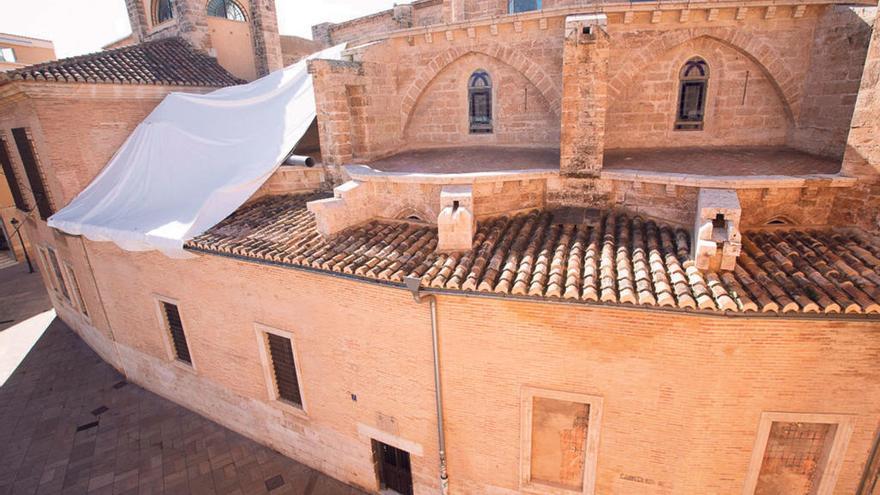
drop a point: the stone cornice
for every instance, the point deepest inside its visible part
(610, 8)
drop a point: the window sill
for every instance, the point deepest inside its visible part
(184, 365)
(290, 408)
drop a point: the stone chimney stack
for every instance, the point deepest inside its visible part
(717, 241)
(584, 95)
(266, 40)
(456, 224)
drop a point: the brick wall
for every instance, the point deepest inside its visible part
(77, 129)
(674, 386)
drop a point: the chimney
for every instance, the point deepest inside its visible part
(716, 239)
(456, 223)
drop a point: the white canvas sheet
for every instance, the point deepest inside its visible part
(194, 160)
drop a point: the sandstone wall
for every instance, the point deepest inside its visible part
(679, 384)
(838, 55)
(521, 115)
(862, 157)
(759, 60)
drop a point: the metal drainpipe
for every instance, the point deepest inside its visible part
(414, 285)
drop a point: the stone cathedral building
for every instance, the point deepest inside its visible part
(555, 246)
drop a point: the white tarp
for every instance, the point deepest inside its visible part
(194, 160)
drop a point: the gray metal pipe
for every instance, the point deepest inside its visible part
(414, 284)
(301, 160)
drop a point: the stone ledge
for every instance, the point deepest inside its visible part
(731, 181)
(365, 173)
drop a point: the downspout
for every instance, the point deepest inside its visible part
(414, 286)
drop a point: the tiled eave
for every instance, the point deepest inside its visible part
(621, 262)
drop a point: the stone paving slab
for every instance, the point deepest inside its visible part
(71, 424)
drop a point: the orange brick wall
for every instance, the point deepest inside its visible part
(682, 394)
(76, 128)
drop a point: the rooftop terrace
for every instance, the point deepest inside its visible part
(745, 165)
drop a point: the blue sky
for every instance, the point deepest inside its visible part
(83, 26)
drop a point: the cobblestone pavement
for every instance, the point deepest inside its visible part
(70, 423)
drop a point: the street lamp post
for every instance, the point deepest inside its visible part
(27, 258)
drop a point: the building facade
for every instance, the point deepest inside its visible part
(549, 247)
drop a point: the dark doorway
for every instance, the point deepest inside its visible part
(393, 468)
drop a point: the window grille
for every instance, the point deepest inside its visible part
(74, 289)
(515, 6)
(694, 83)
(11, 176)
(56, 271)
(226, 9)
(162, 11)
(175, 327)
(284, 369)
(32, 170)
(480, 102)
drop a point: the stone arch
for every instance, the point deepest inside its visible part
(407, 213)
(765, 56)
(529, 69)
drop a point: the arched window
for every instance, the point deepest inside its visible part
(515, 6)
(226, 9)
(162, 11)
(480, 102)
(694, 82)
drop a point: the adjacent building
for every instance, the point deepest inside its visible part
(549, 247)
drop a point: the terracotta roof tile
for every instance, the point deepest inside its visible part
(620, 259)
(170, 61)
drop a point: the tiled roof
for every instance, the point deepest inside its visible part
(169, 61)
(619, 259)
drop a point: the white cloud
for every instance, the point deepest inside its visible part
(84, 26)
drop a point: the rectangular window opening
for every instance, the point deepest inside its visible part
(36, 179)
(284, 369)
(559, 441)
(11, 176)
(795, 457)
(175, 328)
(74, 289)
(7, 55)
(515, 6)
(691, 105)
(61, 287)
(393, 468)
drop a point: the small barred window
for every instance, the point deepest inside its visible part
(694, 82)
(162, 11)
(226, 9)
(480, 102)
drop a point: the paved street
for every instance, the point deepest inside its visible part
(70, 423)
